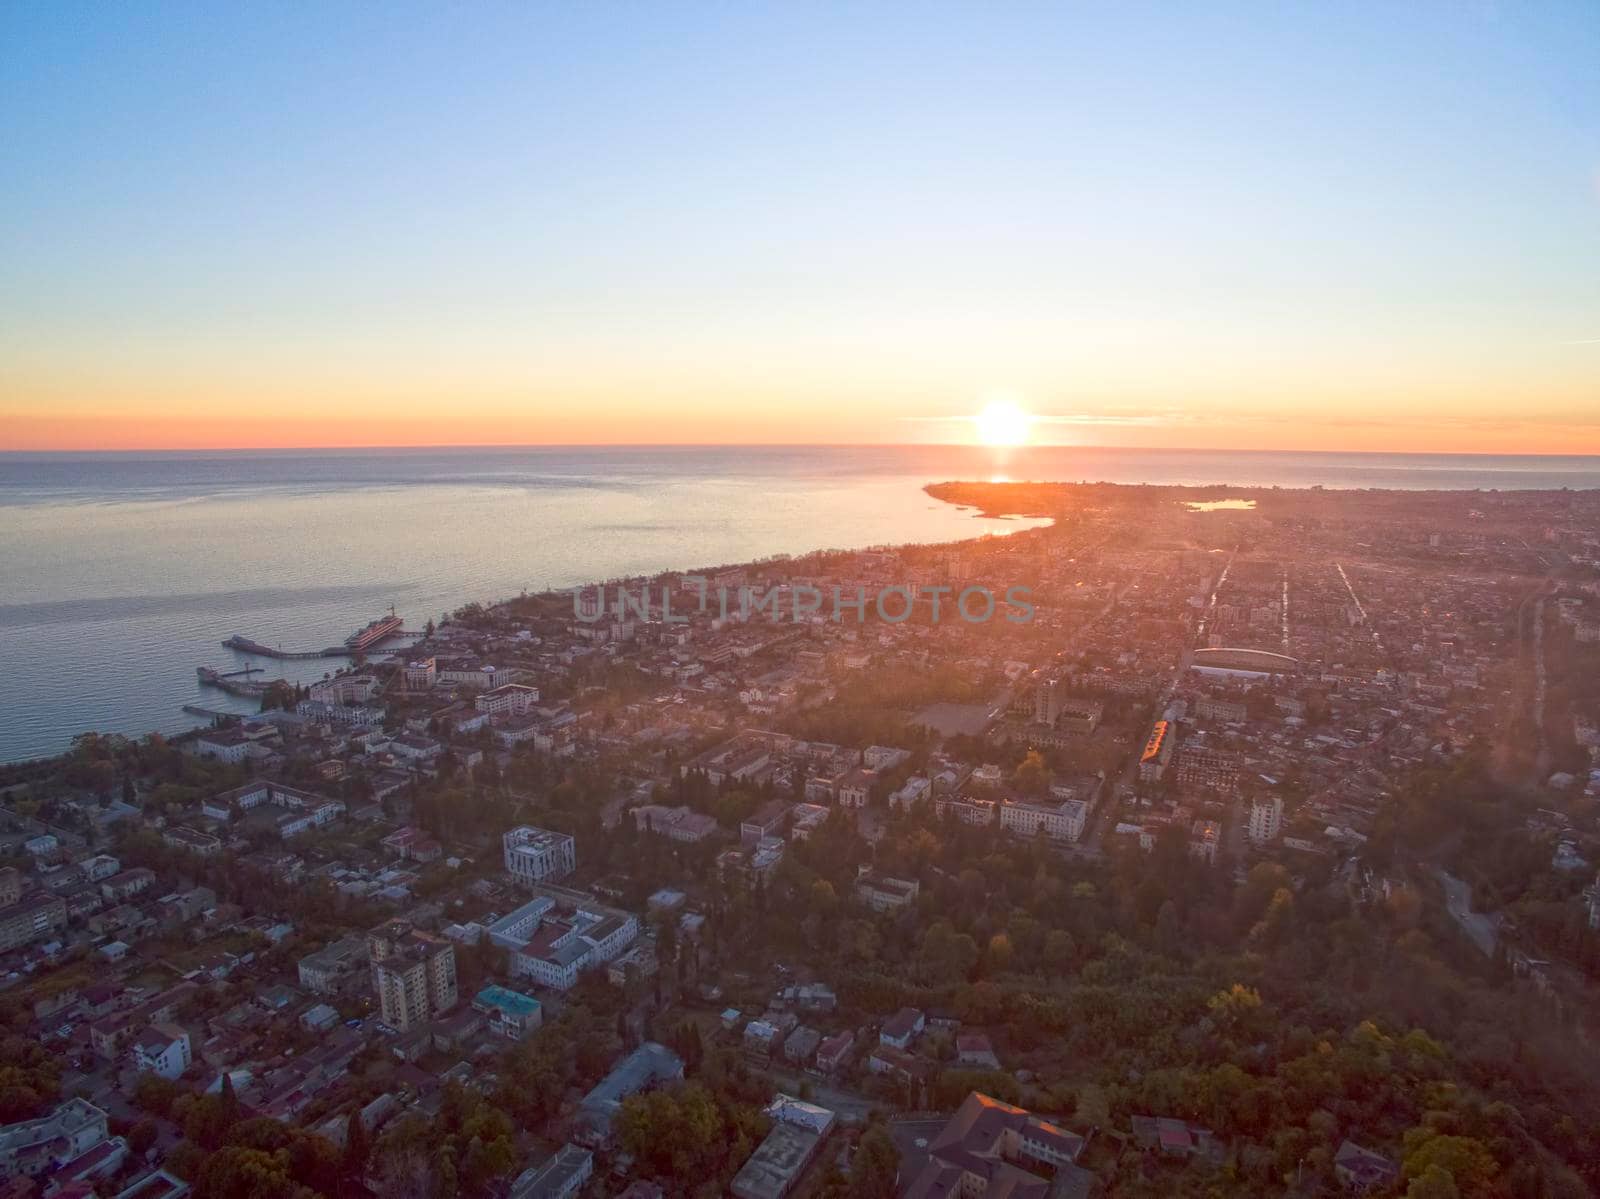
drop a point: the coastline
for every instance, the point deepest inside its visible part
(127, 665)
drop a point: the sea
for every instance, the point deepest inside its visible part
(121, 573)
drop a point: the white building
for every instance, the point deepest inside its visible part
(533, 855)
(1266, 820)
(914, 791)
(224, 744)
(32, 1147)
(162, 1049)
(1062, 822)
(557, 935)
(559, 1178)
(513, 699)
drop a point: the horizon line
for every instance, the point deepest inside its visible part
(761, 445)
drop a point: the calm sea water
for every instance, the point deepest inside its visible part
(120, 573)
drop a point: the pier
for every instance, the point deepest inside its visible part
(246, 646)
(247, 688)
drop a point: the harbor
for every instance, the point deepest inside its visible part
(370, 635)
(246, 688)
(246, 646)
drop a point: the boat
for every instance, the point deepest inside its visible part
(373, 632)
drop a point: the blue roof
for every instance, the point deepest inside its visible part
(507, 1000)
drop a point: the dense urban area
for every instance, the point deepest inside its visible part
(1210, 842)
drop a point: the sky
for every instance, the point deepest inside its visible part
(1353, 226)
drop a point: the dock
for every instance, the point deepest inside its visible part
(247, 688)
(246, 646)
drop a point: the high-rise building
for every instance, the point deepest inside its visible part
(413, 972)
(1046, 698)
(1266, 819)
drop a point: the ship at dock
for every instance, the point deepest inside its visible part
(358, 642)
(373, 632)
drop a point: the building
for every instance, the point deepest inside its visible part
(766, 821)
(1174, 1138)
(778, 1162)
(413, 973)
(158, 1184)
(1203, 769)
(976, 810)
(227, 744)
(1361, 1170)
(1225, 711)
(902, 1028)
(470, 673)
(974, 1049)
(1063, 822)
(558, 934)
(562, 1176)
(344, 690)
(162, 1049)
(75, 1180)
(639, 962)
(855, 787)
(182, 837)
(127, 884)
(676, 824)
(989, 1147)
(299, 810)
(327, 971)
(882, 892)
(534, 855)
(649, 1064)
(1266, 820)
(421, 674)
(1244, 661)
(32, 1147)
(511, 699)
(511, 1013)
(884, 757)
(1157, 751)
(111, 1032)
(833, 1055)
(32, 919)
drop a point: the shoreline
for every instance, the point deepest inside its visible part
(1049, 504)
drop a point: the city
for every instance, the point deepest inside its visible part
(554, 901)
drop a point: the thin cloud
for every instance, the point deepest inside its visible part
(1583, 341)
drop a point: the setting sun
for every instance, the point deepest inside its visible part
(1002, 422)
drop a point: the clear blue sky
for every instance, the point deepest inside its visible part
(1163, 220)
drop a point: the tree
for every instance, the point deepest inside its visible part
(1435, 1184)
(1031, 776)
(1467, 1162)
(1059, 949)
(873, 1169)
(142, 1136)
(998, 955)
(230, 1101)
(236, 1173)
(353, 1161)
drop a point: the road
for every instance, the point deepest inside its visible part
(1542, 760)
(847, 1105)
(1481, 929)
(1105, 811)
